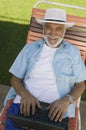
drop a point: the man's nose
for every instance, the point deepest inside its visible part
(53, 33)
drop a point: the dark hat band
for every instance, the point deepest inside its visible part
(54, 20)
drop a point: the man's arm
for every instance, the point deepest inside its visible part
(59, 107)
(27, 99)
(77, 90)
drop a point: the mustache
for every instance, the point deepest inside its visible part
(53, 37)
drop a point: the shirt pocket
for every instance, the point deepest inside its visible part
(67, 68)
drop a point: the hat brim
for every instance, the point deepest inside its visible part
(67, 24)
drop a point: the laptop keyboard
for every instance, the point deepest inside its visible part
(41, 115)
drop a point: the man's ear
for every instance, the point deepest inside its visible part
(64, 31)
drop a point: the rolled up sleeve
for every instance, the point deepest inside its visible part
(19, 66)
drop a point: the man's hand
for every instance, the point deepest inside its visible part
(57, 109)
(28, 102)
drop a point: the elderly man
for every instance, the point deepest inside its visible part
(49, 70)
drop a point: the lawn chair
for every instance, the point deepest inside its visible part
(75, 35)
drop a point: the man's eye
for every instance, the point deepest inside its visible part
(48, 28)
(59, 29)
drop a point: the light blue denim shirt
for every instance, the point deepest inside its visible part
(68, 67)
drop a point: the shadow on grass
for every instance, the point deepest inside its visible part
(12, 39)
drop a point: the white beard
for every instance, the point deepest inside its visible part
(55, 44)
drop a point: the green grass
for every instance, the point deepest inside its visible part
(19, 11)
(14, 23)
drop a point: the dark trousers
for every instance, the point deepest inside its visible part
(13, 110)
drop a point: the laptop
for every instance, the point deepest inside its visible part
(38, 121)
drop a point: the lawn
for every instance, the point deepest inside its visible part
(14, 23)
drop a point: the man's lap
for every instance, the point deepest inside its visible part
(13, 110)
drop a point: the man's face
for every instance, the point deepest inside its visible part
(53, 34)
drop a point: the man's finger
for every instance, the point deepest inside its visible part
(33, 108)
(51, 111)
(28, 109)
(58, 116)
(38, 104)
(54, 113)
(61, 117)
(21, 108)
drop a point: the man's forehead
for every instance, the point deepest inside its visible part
(54, 24)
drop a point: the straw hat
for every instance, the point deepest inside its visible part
(54, 15)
